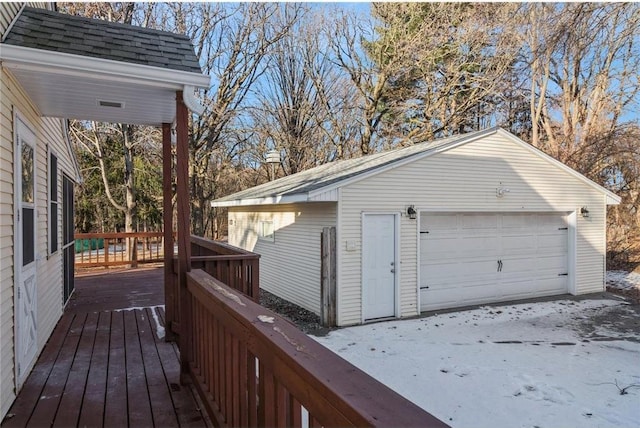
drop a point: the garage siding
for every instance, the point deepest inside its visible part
(290, 265)
(465, 179)
(49, 267)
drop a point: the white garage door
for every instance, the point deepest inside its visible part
(471, 258)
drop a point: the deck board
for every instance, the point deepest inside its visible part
(105, 366)
(77, 379)
(32, 389)
(92, 408)
(159, 396)
(137, 392)
(47, 406)
(116, 393)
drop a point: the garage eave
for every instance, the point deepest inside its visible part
(270, 200)
(613, 199)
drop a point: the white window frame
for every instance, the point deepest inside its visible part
(50, 225)
(261, 231)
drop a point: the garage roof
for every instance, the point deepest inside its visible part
(307, 185)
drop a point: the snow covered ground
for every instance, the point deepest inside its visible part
(549, 364)
(623, 281)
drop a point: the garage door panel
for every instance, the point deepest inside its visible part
(552, 285)
(460, 248)
(437, 284)
(520, 265)
(532, 287)
(479, 222)
(551, 221)
(555, 263)
(478, 246)
(448, 297)
(460, 266)
(516, 287)
(520, 243)
(436, 247)
(556, 241)
(456, 272)
(439, 222)
(518, 221)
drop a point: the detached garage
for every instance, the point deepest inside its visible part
(475, 218)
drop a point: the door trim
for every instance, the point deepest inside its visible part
(396, 256)
(572, 222)
(22, 125)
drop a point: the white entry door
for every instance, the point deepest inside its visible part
(25, 250)
(379, 266)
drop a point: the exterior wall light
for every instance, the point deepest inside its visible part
(584, 212)
(501, 191)
(411, 212)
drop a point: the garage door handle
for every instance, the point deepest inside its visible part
(499, 265)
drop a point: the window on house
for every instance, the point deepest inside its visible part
(266, 231)
(53, 203)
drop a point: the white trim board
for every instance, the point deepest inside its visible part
(21, 58)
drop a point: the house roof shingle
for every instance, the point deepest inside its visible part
(331, 173)
(53, 31)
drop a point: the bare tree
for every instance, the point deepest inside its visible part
(369, 71)
(306, 105)
(232, 41)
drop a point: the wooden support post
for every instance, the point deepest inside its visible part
(184, 233)
(167, 219)
(328, 276)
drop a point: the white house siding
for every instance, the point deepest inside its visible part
(465, 179)
(289, 266)
(49, 135)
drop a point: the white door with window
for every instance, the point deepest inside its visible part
(379, 266)
(25, 249)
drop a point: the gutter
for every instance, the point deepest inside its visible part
(191, 101)
(268, 200)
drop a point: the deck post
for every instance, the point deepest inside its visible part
(184, 232)
(167, 219)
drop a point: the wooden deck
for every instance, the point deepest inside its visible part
(107, 363)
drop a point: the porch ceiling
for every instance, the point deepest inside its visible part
(73, 97)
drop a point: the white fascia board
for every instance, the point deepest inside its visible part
(398, 163)
(270, 200)
(18, 57)
(612, 198)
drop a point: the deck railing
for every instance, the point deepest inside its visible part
(116, 249)
(254, 368)
(237, 268)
